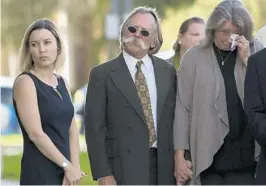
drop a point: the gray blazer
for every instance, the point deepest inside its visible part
(201, 119)
(116, 132)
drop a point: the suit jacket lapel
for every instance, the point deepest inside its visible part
(162, 83)
(124, 82)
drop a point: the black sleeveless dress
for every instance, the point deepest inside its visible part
(56, 114)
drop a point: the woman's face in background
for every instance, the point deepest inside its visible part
(194, 34)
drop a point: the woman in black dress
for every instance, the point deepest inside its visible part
(45, 111)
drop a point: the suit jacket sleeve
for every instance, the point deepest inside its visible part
(185, 84)
(253, 101)
(95, 124)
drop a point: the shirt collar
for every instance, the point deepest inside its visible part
(131, 61)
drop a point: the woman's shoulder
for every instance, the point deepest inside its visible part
(194, 56)
(23, 85)
(196, 50)
(193, 53)
(23, 79)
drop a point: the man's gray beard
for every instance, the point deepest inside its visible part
(138, 41)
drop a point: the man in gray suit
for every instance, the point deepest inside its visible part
(130, 109)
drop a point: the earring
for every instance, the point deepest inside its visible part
(179, 42)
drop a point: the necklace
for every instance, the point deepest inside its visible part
(223, 60)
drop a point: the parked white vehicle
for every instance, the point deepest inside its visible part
(9, 124)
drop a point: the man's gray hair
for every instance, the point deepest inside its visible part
(232, 10)
(158, 38)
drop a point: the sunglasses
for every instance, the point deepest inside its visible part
(133, 29)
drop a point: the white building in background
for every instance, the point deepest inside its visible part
(261, 35)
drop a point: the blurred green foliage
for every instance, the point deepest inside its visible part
(174, 17)
(17, 15)
(162, 5)
(87, 43)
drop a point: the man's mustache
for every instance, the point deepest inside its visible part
(134, 39)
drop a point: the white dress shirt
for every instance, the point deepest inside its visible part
(148, 71)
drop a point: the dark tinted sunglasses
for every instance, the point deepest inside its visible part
(143, 32)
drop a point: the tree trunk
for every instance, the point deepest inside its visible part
(80, 45)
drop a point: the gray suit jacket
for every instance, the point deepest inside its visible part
(116, 132)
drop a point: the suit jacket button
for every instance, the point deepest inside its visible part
(128, 150)
(129, 127)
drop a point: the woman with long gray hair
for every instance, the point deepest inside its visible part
(210, 124)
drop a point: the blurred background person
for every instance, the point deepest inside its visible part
(254, 104)
(191, 32)
(210, 121)
(45, 111)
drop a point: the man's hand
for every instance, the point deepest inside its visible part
(107, 180)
